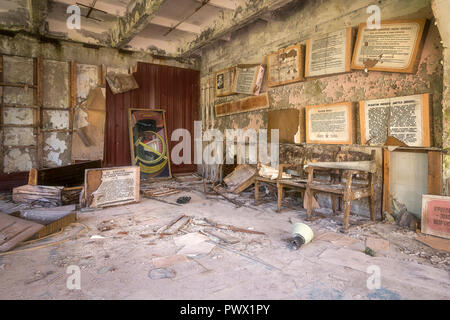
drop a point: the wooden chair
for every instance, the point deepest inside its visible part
(272, 183)
(348, 191)
(298, 184)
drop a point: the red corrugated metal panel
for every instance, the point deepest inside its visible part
(175, 90)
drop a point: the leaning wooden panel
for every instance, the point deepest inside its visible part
(328, 54)
(286, 66)
(393, 48)
(245, 105)
(15, 230)
(329, 124)
(224, 82)
(89, 127)
(67, 176)
(111, 186)
(436, 216)
(405, 118)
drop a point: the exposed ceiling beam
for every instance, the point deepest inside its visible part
(38, 14)
(134, 21)
(222, 4)
(229, 22)
(170, 23)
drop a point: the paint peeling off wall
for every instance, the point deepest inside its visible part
(56, 84)
(87, 79)
(18, 70)
(57, 147)
(18, 116)
(16, 160)
(54, 119)
(19, 137)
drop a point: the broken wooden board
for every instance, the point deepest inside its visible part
(175, 226)
(44, 195)
(393, 48)
(230, 227)
(191, 177)
(436, 216)
(111, 186)
(120, 83)
(15, 230)
(222, 236)
(245, 105)
(56, 226)
(241, 178)
(46, 216)
(434, 242)
(67, 176)
(288, 124)
(160, 192)
(89, 127)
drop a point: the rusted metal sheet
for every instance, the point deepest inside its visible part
(175, 90)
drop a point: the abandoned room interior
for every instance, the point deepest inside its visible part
(224, 149)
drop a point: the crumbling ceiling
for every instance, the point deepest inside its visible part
(177, 28)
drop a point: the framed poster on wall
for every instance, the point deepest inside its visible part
(330, 53)
(285, 66)
(148, 143)
(393, 48)
(248, 79)
(405, 118)
(224, 82)
(329, 124)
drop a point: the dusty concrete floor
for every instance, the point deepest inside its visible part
(125, 264)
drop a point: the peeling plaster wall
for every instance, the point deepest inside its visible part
(18, 68)
(17, 141)
(56, 96)
(302, 20)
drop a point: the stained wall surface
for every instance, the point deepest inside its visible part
(19, 143)
(302, 20)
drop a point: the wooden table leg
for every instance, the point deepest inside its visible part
(280, 196)
(308, 194)
(334, 204)
(347, 200)
(256, 192)
(371, 198)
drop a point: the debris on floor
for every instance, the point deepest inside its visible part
(302, 234)
(377, 244)
(241, 178)
(183, 200)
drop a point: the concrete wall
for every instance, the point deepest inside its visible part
(303, 19)
(19, 148)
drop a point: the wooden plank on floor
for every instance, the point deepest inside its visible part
(15, 230)
(222, 236)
